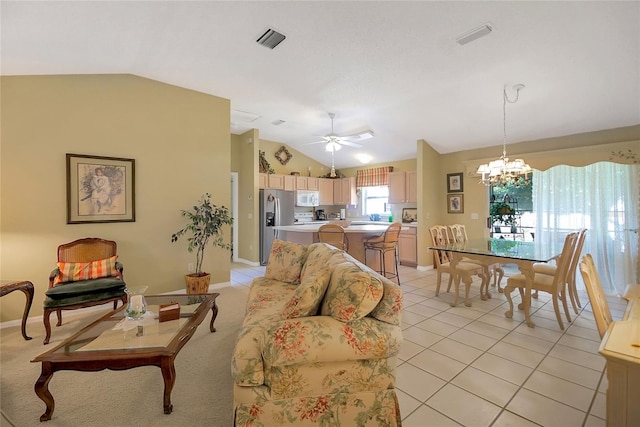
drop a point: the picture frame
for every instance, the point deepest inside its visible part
(100, 189)
(409, 215)
(454, 183)
(455, 203)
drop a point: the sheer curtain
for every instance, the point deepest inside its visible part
(602, 197)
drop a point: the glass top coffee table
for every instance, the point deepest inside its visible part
(113, 342)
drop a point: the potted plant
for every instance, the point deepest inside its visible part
(502, 213)
(204, 223)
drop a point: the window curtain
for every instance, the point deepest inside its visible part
(373, 177)
(602, 197)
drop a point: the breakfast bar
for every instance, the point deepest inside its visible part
(355, 234)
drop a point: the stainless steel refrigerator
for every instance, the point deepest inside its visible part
(276, 208)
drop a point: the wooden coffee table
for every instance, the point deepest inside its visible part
(99, 346)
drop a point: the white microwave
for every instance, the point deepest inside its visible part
(307, 198)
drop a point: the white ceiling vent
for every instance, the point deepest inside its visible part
(271, 38)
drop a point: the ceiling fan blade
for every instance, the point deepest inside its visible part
(350, 144)
(316, 142)
(360, 136)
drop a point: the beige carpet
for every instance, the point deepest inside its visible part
(202, 395)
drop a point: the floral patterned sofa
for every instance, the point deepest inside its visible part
(318, 344)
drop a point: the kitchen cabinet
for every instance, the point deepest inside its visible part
(312, 183)
(301, 183)
(276, 181)
(403, 187)
(408, 246)
(289, 182)
(344, 191)
(263, 181)
(306, 183)
(325, 187)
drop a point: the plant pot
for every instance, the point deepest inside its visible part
(514, 229)
(497, 229)
(197, 283)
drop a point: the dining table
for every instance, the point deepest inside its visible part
(488, 251)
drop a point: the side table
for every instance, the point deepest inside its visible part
(8, 286)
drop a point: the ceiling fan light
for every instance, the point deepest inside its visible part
(332, 146)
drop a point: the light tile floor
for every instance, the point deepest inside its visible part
(472, 366)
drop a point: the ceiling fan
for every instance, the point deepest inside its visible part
(335, 142)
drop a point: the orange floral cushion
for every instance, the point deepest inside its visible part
(285, 261)
(305, 301)
(76, 271)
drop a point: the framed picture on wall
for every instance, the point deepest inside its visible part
(100, 189)
(454, 182)
(455, 203)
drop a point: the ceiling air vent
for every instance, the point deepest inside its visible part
(271, 38)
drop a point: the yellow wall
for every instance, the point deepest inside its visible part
(180, 142)
(575, 150)
(245, 162)
(298, 163)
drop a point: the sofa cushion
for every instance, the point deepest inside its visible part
(86, 287)
(285, 261)
(267, 298)
(352, 293)
(77, 271)
(307, 297)
(318, 255)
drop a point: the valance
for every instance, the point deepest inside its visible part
(373, 177)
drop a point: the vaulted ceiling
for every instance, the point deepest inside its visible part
(393, 67)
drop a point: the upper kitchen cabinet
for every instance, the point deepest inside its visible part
(344, 191)
(276, 181)
(306, 183)
(403, 187)
(301, 183)
(325, 187)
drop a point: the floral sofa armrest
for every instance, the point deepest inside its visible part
(324, 339)
(247, 367)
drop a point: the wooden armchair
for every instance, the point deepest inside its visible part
(87, 275)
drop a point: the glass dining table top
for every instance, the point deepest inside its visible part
(504, 248)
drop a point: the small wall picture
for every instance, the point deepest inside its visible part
(100, 189)
(455, 203)
(454, 182)
(409, 215)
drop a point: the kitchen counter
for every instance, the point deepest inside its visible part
(355, 233)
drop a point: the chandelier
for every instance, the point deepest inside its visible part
(504, 171)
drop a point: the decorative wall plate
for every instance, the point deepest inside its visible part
(283, 155)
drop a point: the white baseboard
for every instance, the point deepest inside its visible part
(245, 261)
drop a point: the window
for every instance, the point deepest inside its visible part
(375, 200)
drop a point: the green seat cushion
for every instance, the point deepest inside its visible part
(86, 287)
(93, 297)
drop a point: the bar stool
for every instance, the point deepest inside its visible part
(388, 242)
(333, 234)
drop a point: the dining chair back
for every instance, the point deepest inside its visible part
(552, 284)
(597, 298)
(549, 268)
(442, 263)
(333, 234)
(458, 234)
